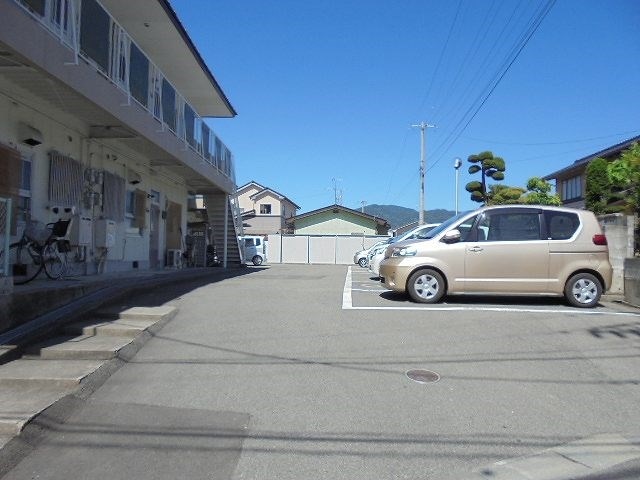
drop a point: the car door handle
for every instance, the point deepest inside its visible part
(475, 249)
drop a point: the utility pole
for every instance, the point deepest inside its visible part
(363, 203)
(457, 163)
(422, 126)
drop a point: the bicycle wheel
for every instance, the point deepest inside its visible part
(55, 262)
(25, 262)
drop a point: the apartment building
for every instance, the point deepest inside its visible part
(102, 108)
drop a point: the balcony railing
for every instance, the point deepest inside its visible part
(91, 33)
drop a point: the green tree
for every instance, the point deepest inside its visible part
(538, 193)
(598, 186)
(624, 177)
(489, 167)
(500, 194)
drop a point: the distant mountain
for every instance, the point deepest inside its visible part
(399, 216)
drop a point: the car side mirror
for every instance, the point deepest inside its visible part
(452, 236)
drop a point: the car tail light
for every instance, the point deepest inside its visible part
(599, 239)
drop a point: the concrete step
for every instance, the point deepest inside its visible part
(162, 313)
(19, 404)
(6, 352)
(83, 347)
(130, 328)
(4, 439)
(51, 373)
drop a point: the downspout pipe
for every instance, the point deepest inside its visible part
(226, 231)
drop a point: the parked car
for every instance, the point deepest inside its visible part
(360, 257)
(376, 255)
(515, 249)
(254, 249)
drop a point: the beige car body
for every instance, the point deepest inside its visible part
(519, 267)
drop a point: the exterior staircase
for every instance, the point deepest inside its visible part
(217, 206)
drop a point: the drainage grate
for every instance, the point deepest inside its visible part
(423, 376)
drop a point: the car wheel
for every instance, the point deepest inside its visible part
(363, 262)
(426, 286)
(583, 290)
(257, 260)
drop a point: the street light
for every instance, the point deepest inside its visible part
(457, 163)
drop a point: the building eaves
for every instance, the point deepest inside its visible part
(249, 184)
(156, 29)
(275, 194)
(379, 220)
(183, 33)
(606, 153)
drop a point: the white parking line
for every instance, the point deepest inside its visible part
(347, 304)
(346, 292)
(477, 308)
(378, 290)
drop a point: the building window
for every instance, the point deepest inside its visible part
(25, 181)
(114, 197)
(265, 209)
(130, 204)
(572, 188)
(94, 33)
(190, 125)
(36, 6)
(206, 142)
(169, 105)
(135, 208)
(66, 180)
(139, 75)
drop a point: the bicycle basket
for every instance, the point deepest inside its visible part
(36, 232)
(59, 228)
(64, 246)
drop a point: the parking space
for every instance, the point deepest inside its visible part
(363, 291)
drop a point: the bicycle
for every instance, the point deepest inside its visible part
(39, 249)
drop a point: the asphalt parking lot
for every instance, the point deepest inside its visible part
(314, 371)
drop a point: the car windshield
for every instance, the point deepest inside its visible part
(435, 231)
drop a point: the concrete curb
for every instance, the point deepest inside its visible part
(572, 461)
(108, 291)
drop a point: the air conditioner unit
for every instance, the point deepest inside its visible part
(174, 258)
(80, 233)
(29, 135)
(105, 233)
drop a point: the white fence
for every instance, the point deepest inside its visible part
(325, 249)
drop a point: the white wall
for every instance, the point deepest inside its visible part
(317, 249)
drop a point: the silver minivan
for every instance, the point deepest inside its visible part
(509, 249)
(254, 249)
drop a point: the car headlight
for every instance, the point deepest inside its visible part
(404, 252)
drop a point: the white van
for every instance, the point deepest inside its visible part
(254, 249)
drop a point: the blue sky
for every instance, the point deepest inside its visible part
(326, 91)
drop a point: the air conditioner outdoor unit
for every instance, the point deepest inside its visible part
(105, 233)
(29, 135)
(174, 258)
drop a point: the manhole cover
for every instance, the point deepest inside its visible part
(423, 376)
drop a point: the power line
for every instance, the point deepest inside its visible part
(486, 60)
(561, 142)
(517, 51)
(442, 52)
